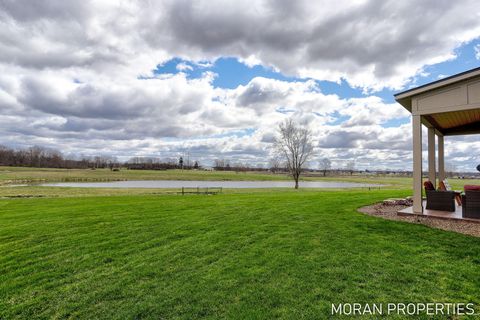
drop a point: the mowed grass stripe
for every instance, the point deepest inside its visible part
(259, 255)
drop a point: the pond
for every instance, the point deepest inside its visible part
(210, 184)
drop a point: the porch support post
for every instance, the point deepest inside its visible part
(432, 172)
(441, 158)
(417, 164)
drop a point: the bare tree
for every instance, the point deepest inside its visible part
(294, 143)
(325, 165)
(219, 164)
(275, 164)
(350, 167)
(450, 170)
(222, 165)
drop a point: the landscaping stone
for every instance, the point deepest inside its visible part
(398, 202)
(389, 212)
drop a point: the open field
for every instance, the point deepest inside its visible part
(251, 256)
(8, 174)
(19, 175)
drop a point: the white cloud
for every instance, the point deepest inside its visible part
(182, 66)
(477, 51)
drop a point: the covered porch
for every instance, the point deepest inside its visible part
(450, 106)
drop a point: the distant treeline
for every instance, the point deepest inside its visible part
(149, 163)
(40, 157)
(225, 165)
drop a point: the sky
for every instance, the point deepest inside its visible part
(213, 79)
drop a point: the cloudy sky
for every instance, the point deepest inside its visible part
(214, 78)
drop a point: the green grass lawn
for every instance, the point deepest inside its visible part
(257, 255)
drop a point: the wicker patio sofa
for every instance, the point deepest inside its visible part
(439, 199)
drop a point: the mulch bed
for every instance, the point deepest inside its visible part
(389, 211)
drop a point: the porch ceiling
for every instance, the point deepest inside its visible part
(455, 122)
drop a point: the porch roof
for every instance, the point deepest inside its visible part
(451, 105)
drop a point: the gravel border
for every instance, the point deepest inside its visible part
(389, 212)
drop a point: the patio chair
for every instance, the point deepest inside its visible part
(439, 200)
(471, 204)
(445, 186)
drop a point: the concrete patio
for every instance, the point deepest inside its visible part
(437, 214)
